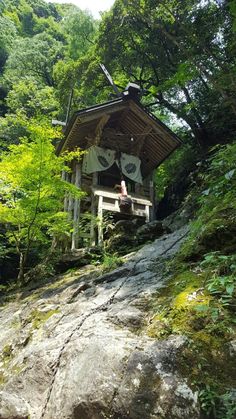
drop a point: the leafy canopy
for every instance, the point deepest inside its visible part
(32, 189)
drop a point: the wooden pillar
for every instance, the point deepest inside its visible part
(71, 179)
(100, 226)
(137, 188)
(76, 208)
(65, 177)
(153, 197)
(92, 225)
(93, 212)
(69, 204)
(147, 212)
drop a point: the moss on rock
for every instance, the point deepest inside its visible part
(38, 318)
(185, 307)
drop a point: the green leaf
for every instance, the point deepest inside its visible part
(202, 307)
(206, 192)
(230, 289)
(230, 174)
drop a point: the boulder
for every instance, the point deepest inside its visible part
(88, 355)
(78, 258)
(12, 407)
(150, 231)
(125, 226)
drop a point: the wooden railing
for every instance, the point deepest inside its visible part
(108, 200)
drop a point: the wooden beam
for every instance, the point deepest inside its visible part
(163, 131)
(73, 130)
(99, 128)
(140, 143)
(94, 139)
(108, 109)
(123, 116)
(113, 133)
(109, 193)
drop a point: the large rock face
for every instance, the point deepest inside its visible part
(78, 349)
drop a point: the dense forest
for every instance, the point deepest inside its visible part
(182, 54)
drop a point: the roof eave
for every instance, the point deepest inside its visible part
(83, 112)
(107, 105)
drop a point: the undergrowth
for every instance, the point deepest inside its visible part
(214, 227)
(200, 299)
(110, 262)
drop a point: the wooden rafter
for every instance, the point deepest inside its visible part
(141, 141)
(95, 138)
(123, 116)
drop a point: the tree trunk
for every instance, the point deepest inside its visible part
(21, 273)
(199, 132)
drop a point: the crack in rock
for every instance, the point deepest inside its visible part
(90, 360)
(102, 307)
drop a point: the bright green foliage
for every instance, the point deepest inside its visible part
(65, 74)
(79, 29)
(214, 227)
(222, 406)
(26, 14)
(110, 262)
(200, 299)
(186, 307)
(184, 70)
(32, 98)
(182, 53)
(12, 127)
(33, 57)
(32, 191)
(220, 194)
(7, 34)
(221, 271)
(34, 37)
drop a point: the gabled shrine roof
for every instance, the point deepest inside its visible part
(125, 125)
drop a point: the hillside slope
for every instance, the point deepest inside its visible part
(154, 338)
(79, 347)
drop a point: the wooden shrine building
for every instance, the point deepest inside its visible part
(122, 140)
